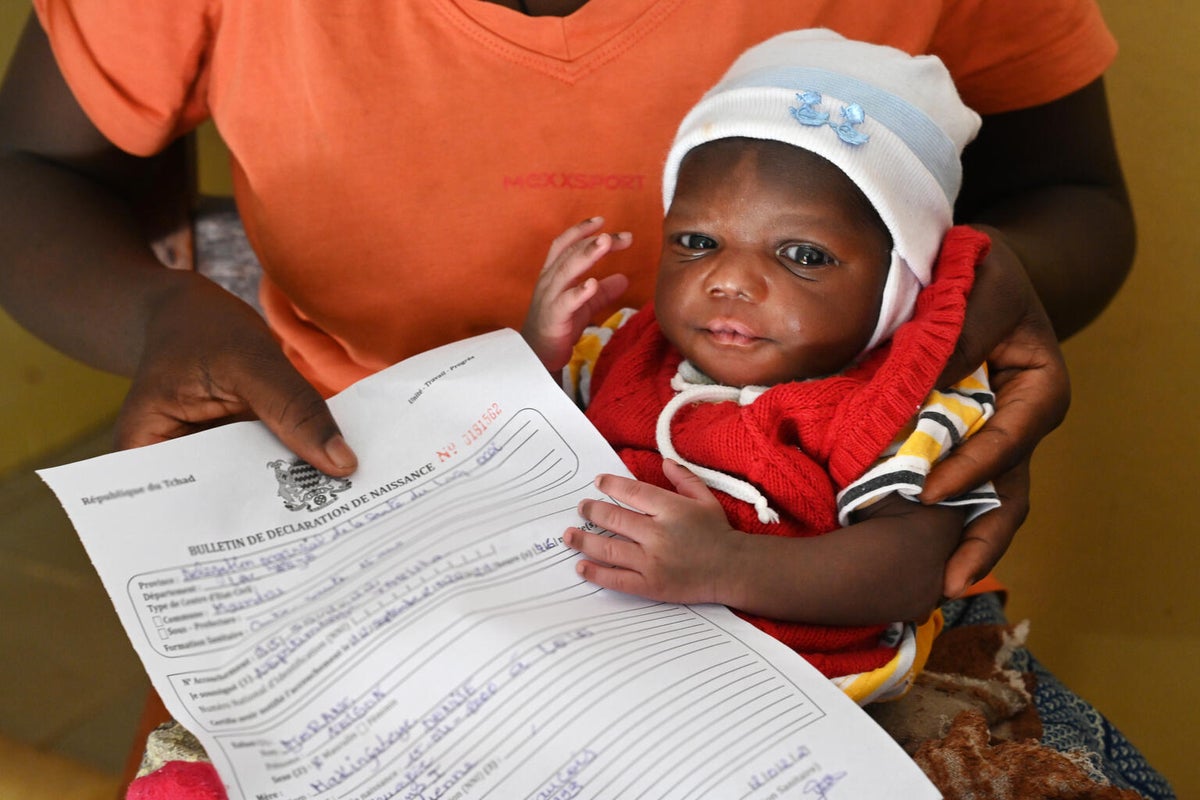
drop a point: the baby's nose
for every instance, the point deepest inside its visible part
(734, 278)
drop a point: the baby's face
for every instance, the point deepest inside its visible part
(773, 264)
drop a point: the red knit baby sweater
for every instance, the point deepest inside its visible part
(799, 443)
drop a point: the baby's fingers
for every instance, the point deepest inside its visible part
(581, 257)
(624, 521)
(610, 288)
(615, 578)
(644, 497)
(608, 550)
(608, 562)
(575, 305)
(571, 236)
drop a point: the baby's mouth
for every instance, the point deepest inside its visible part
(730, 332)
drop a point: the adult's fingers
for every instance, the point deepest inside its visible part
(296, 413)
(986, 539)
(169, 400)
(1033, 393)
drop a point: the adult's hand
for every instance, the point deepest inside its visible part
(1047, 182)
(208, 359)
(76, 271)
(1007, 327)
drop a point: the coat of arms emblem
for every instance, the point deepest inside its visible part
(303, 486)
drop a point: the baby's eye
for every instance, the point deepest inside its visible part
(806, 255)
(697, 241)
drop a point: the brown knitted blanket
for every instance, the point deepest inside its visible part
(971, 725)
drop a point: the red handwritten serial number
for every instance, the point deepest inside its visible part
(480, 426)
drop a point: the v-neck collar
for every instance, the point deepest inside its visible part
(562, 47)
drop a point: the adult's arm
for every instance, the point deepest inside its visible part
(75, 271)
(1046, 183)
(1049, 179)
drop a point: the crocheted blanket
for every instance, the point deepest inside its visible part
(971, 724)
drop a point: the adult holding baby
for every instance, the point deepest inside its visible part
(399, 167)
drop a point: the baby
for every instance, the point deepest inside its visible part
(776, 403)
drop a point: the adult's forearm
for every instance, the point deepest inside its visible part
(1075, 242)
(1048, 178)
(74, 267)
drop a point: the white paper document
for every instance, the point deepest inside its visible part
(418, 630)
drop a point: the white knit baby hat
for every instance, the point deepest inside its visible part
(893, 122)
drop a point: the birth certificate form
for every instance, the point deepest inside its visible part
(418, 630)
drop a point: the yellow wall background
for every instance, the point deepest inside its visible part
(1108, 565)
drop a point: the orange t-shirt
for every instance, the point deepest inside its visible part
(402, 165)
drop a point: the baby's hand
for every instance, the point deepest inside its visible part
(681, 549)
(561, 308)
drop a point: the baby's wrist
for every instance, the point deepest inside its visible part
(731, 584)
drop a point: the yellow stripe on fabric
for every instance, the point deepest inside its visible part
(921, 445)
(583, 359)
(957, 407)
(927, 631)
(975, 382)
(868, 683)
(618, 318)
(587, 350)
